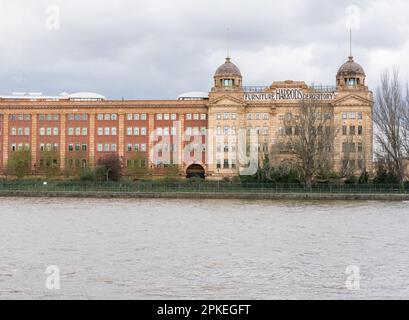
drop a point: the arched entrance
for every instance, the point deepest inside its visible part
(195, 170)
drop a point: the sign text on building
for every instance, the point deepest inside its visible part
(288, 94)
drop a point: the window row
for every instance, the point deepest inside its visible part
(48, 146)
(78, 131)
(78, 117)
(20, 146)
(226, 164)
(107, 117)
(166, 116)
(136, 131)
(48, 117)
(107, 131)
(351, 147)
(352, 115)
(19, 131)
(77, 147)
(195, 131)
(226, 130)
(166, 131)
(257, 116)
(20, 117)
(195, 116)
(49, 131)
(226, 116)
(136, 147)
(107, 147)
(136, 116)
(352, 130)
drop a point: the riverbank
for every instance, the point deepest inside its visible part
(206, 195)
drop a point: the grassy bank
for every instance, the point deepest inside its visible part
(203, 189)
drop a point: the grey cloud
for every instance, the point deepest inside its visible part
(158, 49)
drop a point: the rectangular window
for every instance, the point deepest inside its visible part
(114, 117)
(48, 131)
(136, 116)
(188, 116)
(166, 116)
(107, 117)
(100, 131)
(218, 116)
(344, 130)
(143, 131)
(129, 116)
(84, 147)
(225, 116)
(159, 116)
(106, 147)
(351, 115)
(84, 131)
(344, 115)
(360, 115)
(173, 131)
(196, 116)
(352, 130)
(100, 117)
(99, 147)
(143, 147)
(113, 131)
(136, 131)
(113, 147)
(107, 131)
(143, 116)
(70, 131)
(77, 131)
(129, 131)
(173, 116)
(136, 147)
(129, 147)
(360, 130)
(226, 164)
(203, 116)
(70, 147)
(55, 131)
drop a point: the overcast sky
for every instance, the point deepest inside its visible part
(158, 49)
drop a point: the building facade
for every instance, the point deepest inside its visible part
(198, 133)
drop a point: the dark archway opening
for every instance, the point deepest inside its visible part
(195, 170)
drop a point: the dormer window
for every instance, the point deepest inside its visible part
(351, 82)
(228, 82)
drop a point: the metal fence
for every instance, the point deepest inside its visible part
(206, 186)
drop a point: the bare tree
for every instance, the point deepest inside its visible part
(309, 135)
(391, 125)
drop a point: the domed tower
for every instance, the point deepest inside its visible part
(351, 76)
(227, 77)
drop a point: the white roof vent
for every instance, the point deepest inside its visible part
(195, 95)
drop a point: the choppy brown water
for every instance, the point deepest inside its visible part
(171, 249)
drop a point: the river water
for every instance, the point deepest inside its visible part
(203, 249)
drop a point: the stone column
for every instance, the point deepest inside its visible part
(63, 145)
(121, 135)
(151, 129)
(91, 139)
(33, 146)
(6, 133)
(180, 135)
